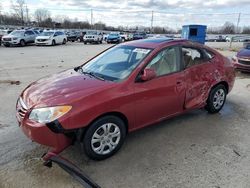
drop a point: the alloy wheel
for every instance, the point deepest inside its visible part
(106, 138)
(219, 98)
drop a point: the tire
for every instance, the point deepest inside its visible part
(53, 43)
(85, 42)
(95, 137)
(64, 41)
(216, 99)
(6, 45)
(22, 43)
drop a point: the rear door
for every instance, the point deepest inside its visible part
(164, 95)
(199, 75)
(61, 37)
(30, 36)
(57, 37)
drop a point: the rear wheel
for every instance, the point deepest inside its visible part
(216, 99)
(104, 137)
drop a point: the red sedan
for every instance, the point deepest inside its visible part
(125, 88)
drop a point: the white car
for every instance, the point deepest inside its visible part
(19, 37)
(51, 38)
(93, 37)
(124, 36)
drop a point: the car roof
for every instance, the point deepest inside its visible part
(152, 43)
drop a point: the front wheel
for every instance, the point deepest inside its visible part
(64, 41)
(22, 43)
(53, 43)
(104, 137)
(216, 99)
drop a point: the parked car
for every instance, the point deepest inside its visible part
(4, 32)
(105, 36)
(51, 38)
(75, 36)
(124, 36)
(93, 37)
(140, 35)
(19, 37)
(125, 88)
(114, 37)
(242, 60)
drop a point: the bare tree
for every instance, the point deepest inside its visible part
(19, 9)
(41, 15)
(228, 28)
(246, 30)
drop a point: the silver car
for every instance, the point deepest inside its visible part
(19, 37)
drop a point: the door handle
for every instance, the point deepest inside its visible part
(178, 82)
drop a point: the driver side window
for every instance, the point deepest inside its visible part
(166, 61)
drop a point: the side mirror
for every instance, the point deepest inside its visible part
(148, 74)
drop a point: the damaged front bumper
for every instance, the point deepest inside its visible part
(43, 135)
(50, 135)
(54, 136)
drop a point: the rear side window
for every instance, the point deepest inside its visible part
(29, 33)
(192, 56)
(209, 55)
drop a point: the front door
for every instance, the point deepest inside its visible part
(164, 95)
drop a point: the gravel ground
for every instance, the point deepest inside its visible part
(192, 150)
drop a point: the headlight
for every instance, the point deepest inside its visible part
(47, 115)
(234, 58)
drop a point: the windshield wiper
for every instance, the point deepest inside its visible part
(94, 75)
(91, 74)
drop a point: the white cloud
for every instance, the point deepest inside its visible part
(173, 13)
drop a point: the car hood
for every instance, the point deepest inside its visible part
(62, 89)
(113, 37)
(10, 36)
(43, 37)
(244, 53)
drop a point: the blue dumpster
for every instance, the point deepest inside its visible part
(195, 33)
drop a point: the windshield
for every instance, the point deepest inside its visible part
(117, 63)
(47, 33)
(248, 46)
(92, 33)
(114, 34)
(17, 33)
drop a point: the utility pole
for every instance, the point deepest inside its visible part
(152, 21)
(91, 20)
(238, 22)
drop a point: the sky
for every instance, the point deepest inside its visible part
(166, 13)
